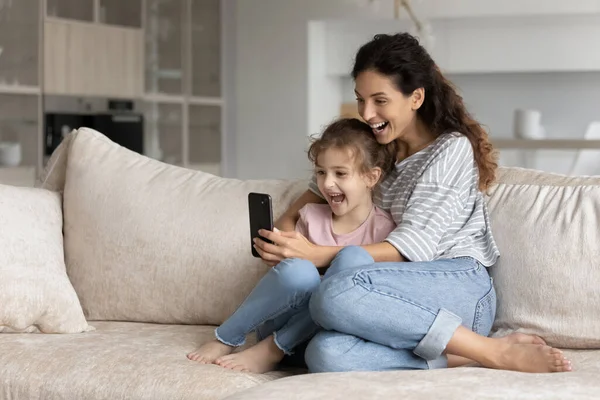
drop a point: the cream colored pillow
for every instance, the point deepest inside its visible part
(548, 230)
(148, 241)
(35, 292)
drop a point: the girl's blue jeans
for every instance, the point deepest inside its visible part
(277, 306)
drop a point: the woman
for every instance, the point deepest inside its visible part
(422, 298)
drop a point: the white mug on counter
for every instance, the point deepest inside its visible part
(528, 124)
(10, 154)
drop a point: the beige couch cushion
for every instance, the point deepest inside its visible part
(35, 292)
(119, 360)
(548, 230)
(446, 384)
(151, 242)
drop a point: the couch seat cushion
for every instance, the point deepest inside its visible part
(119, 360)
(447, 384)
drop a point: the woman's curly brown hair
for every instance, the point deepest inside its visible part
(408, 64)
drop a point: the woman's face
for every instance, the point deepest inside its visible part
(384, 107)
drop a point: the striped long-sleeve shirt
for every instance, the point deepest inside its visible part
(434, 198)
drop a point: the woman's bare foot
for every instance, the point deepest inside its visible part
(513, 338)
(209, 352)
(516, 352)
(260, 358)
(527, 358)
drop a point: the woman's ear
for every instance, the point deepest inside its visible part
(417, 98)
(373, 177)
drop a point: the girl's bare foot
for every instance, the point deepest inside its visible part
(513, 338)
(260, 358)
(209, 352)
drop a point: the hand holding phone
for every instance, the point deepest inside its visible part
(261, 217)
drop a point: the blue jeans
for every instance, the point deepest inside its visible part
(389, 316)
(277, 306)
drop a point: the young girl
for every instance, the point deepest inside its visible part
(348, 165)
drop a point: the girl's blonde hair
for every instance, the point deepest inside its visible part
(358, 137)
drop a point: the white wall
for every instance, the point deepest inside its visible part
(324, 90)
(272, 85)
(484, 44)
(228, 71)
(271, 104)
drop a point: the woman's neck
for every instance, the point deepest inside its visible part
(416, 138)
(353, 219)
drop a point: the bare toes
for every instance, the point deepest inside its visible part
(222, 359)
(220, 362)
(227, 364)
(565, 365)
(562, 368)
(560, 364)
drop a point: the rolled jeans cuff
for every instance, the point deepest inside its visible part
(287, 352)
(441, 331)
(228, 343)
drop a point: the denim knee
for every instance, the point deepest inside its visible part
(351, 252)
(346, 258)
(297, 275)
(326, 306)
(322, 355)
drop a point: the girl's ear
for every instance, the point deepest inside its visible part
(372, 177)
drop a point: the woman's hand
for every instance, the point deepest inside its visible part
(286, 245)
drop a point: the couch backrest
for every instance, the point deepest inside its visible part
(148, 241)
(547, 227)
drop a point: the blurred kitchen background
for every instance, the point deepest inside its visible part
(236, 87)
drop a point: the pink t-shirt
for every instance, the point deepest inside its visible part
(315, 223)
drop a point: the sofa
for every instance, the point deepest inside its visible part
(115, 266)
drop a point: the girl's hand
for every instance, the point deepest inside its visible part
(286, 245)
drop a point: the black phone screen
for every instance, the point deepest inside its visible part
(261, 216)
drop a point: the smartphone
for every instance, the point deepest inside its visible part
(261, 217)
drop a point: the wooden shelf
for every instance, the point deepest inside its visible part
(19, 89)
(546, 144)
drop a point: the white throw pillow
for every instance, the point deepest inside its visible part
(35, 292)
(547, 227)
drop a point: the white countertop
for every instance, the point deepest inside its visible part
(17, 176)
